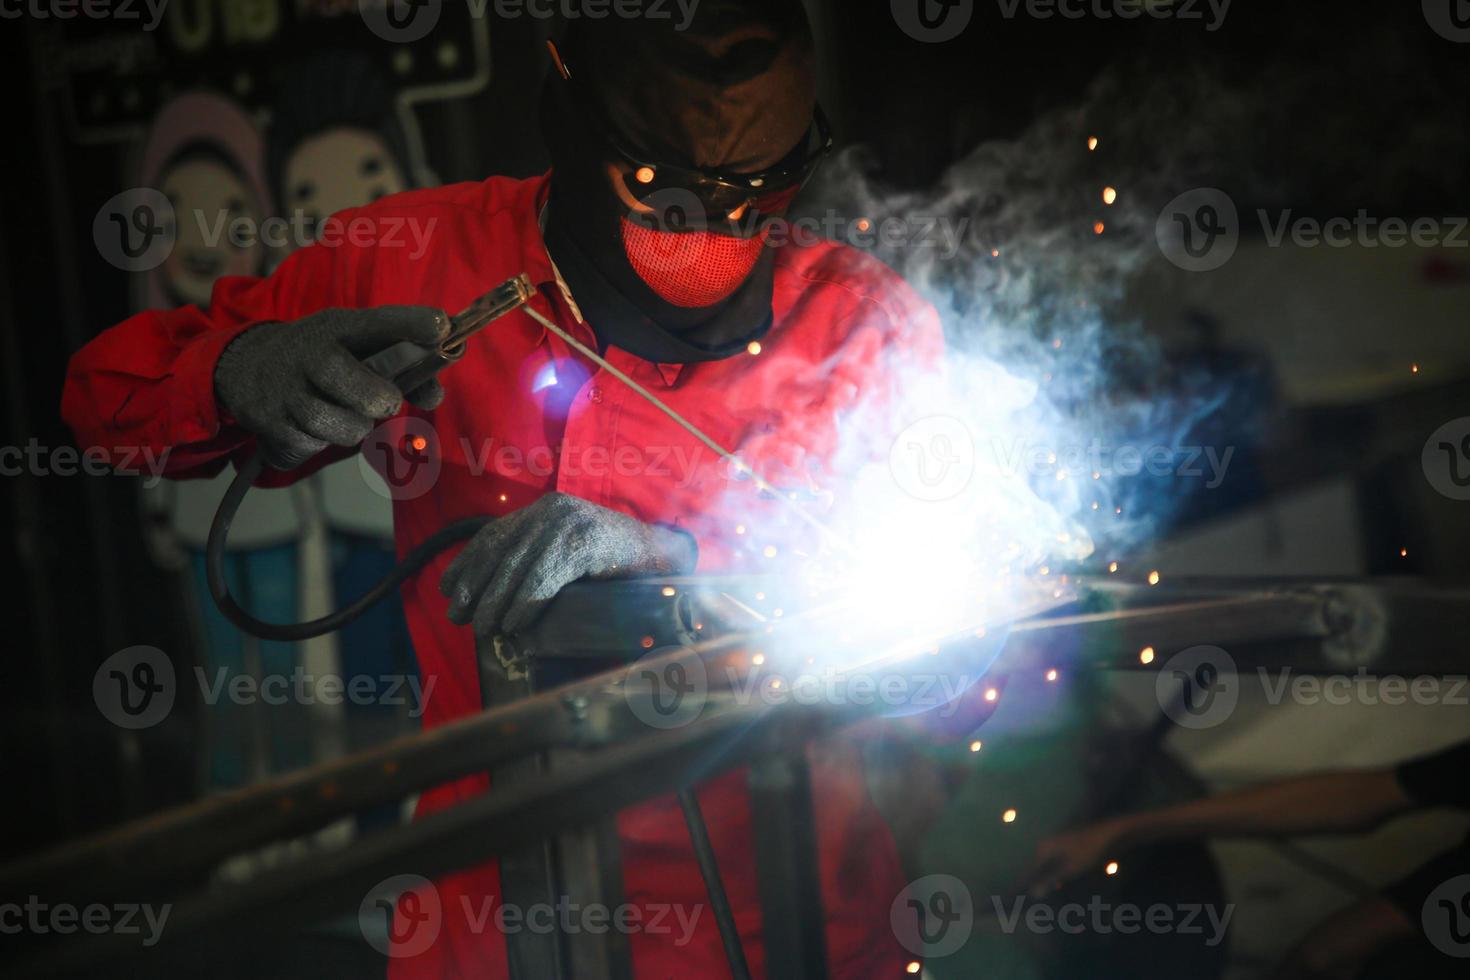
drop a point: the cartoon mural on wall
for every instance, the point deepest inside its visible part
(205, 153)
(253, 111)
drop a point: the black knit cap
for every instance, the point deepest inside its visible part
(733, 90)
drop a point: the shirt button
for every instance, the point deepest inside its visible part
(594, 394)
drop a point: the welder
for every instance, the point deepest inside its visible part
(673, 153)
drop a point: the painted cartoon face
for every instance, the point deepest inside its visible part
(336, 169)
(208, 201)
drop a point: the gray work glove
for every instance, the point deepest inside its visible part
(300, 387)
(517, 564)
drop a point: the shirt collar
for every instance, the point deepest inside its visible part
(543, 272)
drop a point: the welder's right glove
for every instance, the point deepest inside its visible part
(300, 387)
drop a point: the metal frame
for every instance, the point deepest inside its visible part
(610, 760)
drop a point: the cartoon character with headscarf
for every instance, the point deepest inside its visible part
(204, 153)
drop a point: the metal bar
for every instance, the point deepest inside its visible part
(785, 834)
(709, 868)
(528, 877)
(171, 850)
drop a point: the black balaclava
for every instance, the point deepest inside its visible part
(734, 92)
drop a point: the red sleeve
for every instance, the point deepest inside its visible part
(147, 385)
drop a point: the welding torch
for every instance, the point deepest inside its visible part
(407, 365)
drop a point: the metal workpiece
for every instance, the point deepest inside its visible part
(611, 750)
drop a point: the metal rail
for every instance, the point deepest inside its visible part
(619, 760)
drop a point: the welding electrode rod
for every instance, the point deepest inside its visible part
(692, 429)
(704, 854)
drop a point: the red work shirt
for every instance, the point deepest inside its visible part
(526, 416)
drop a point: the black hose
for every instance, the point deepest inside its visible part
(214, 567)
(704, 854)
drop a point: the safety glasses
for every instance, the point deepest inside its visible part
(723, 194)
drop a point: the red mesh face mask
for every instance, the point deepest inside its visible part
(690, 269)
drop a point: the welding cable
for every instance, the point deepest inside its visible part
(704, 855)
(214, 567)
(426, 550)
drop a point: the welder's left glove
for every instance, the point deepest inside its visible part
(517, 564)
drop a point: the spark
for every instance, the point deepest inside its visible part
(1009, 816)
(976, 745)
(753, 348)
(1091, 143)
(1153, 578)
(1109, 195)
(1112, 868)
(1146, 655)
